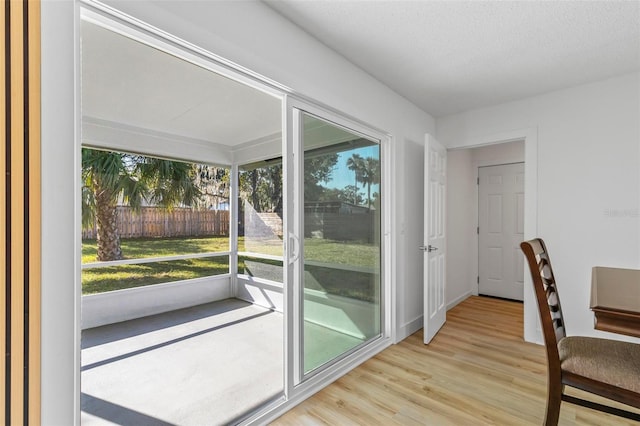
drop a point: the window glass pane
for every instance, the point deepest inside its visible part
(260, 220)
(261, 268)
(341, 241)
(109, 278)
(140, 207)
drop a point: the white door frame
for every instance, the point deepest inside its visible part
(532, 331)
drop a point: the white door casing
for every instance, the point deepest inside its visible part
(501, 229)
(434, 248)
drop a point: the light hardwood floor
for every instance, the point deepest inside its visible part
(477, 370)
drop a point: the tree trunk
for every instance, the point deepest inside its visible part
(355, 194)
(107, 224)
(276, 179)
(255, 199)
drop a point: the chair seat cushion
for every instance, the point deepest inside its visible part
(609, 361)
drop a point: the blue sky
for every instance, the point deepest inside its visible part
(342, 176)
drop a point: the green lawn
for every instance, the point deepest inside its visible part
(97, 280)
(111, 278)
(342, 253)
(138, 248)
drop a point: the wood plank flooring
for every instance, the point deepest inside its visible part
(477, 371)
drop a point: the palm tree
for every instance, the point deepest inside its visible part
(356, 163)
(109, 177)
(370, 175)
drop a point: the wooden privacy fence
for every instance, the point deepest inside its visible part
(157, 222)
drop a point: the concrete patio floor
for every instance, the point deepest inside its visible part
(204, 365)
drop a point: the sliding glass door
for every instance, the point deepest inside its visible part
(340, 262)
(263, 275)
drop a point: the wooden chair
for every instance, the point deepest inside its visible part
(609, 368)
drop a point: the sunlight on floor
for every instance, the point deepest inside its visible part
(203, 365)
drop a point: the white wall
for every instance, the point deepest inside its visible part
(493, 155)
(588, 144)
(461, 228)
(60, 261)
(252, 35)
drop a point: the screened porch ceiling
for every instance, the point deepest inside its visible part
(130, 83)
(131, 88)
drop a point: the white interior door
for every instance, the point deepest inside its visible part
(501, 229)
(434, 237)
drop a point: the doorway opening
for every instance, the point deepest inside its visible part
(465, 266)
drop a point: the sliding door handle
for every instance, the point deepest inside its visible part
(294, 245)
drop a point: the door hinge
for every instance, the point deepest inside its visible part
(478, 280)
(478, 181)
(478, 230)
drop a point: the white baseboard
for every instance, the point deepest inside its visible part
(416, 324)
(409, 328)
(459, 299)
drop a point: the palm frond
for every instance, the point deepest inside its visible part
(88, 208)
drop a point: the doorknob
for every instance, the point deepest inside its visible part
(428, 248)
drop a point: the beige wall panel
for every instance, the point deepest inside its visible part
(3, 300)
(17, 213)
(34, 213)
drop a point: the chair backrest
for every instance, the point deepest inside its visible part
(544, 284)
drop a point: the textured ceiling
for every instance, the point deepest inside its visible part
(452, 56)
